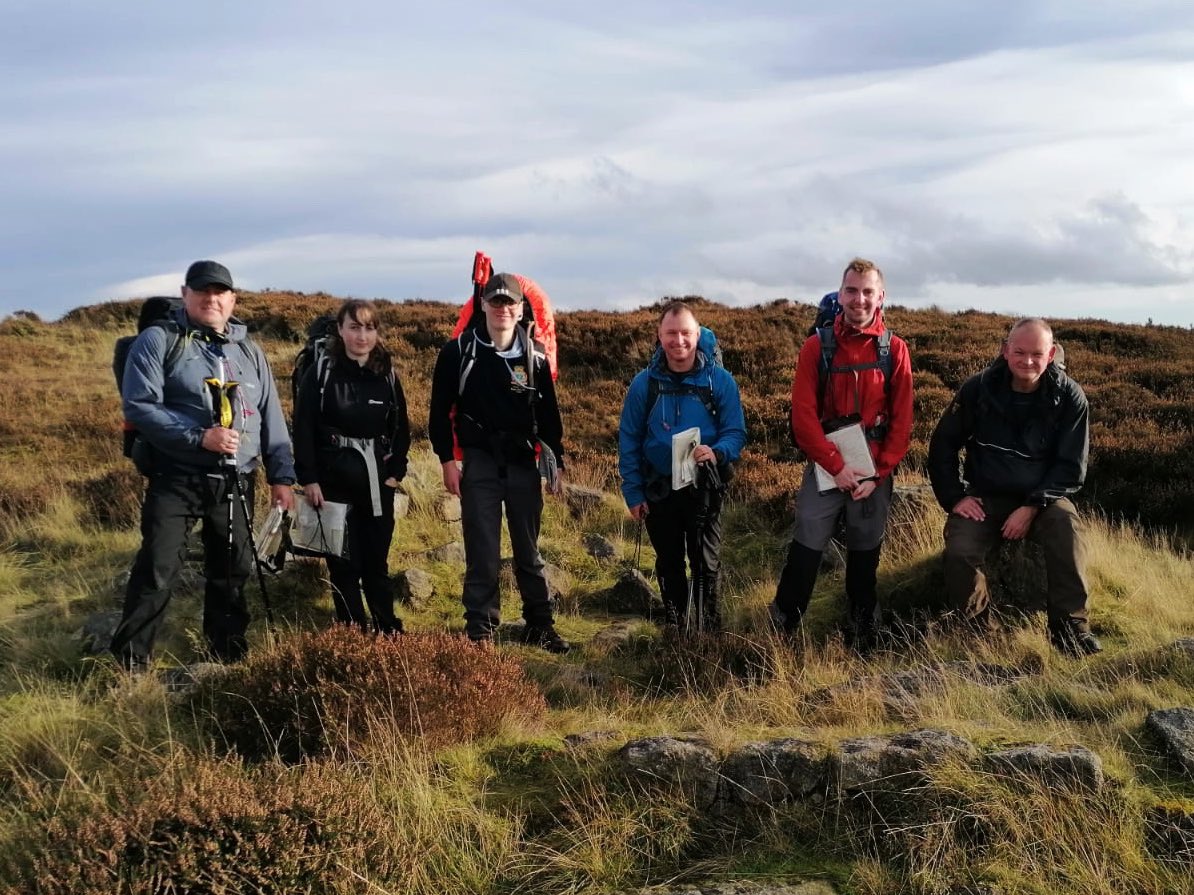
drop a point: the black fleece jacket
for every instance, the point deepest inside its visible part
(356, 403)
(1032, 447)
(495, 410)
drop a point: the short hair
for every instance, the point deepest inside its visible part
(675, 306)
(862, 265)
(1039, 322)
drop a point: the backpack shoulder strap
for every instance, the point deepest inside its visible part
(828, 350)
(176, 340)
(883, 346)
(703, 392)
(468, 356)
(652, 397)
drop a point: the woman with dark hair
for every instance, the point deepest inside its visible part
(351, 438)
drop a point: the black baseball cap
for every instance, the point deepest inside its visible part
(202, 274)
(503, 284)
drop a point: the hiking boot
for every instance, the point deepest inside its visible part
(1072, 639)
(545, 638)
(782, 624)
(862, 637)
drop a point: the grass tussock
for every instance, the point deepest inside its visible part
(332, 691)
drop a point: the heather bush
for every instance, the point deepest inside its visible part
(204, 826)
(113, 499)
(325, 691)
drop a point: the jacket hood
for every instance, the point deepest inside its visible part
(235, 331)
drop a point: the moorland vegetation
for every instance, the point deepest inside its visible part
(330, 762)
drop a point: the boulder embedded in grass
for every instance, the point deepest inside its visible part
(1175, 727)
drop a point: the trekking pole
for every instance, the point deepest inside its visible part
(244, 508)
(223, 395)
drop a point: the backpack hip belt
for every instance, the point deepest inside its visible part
(364, 446)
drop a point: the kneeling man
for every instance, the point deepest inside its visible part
(1025, 429)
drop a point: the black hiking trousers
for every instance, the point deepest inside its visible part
(365, 567)
(682, 525)
(173, 503)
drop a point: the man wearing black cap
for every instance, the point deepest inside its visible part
(175, 370)
(492, 386)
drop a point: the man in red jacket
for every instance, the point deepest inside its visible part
(867, 381)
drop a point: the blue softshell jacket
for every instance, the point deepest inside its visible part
(645, 452)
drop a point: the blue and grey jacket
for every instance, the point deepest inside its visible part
(166, 399)
(645, 434)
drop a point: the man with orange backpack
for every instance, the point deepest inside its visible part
(493, 394)
(852, 373)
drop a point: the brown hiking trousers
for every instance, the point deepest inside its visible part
(1057, 529)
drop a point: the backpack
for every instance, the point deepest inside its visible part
(827, 310)
(159, 311)
(538, 319)
(313, 354)
(536, 331)
(708, 345)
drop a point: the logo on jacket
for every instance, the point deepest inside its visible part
(519, 372)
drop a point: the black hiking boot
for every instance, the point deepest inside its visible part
(1072, 638)
(784, 625)
(545, 638)
(862, 602)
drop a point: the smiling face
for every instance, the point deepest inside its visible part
(679, 333)
(209, 305)
(1028, 351)
(861, 296)
(502, 314)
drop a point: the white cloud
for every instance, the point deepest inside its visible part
(742, 153)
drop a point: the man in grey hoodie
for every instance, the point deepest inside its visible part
(203, 401)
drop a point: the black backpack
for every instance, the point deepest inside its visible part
(157, 310)
(314, 354)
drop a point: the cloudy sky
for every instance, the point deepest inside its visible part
(1033, 157)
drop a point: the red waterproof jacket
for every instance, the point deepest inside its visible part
(855, 392)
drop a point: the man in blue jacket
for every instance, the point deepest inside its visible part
(1025, 428)
(176, 372)
(682, 387)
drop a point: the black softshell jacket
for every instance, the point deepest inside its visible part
(492, 410)
(356, 403)
(1038, 461)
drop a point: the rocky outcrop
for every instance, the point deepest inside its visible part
(1055, 766)
(688, 763)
